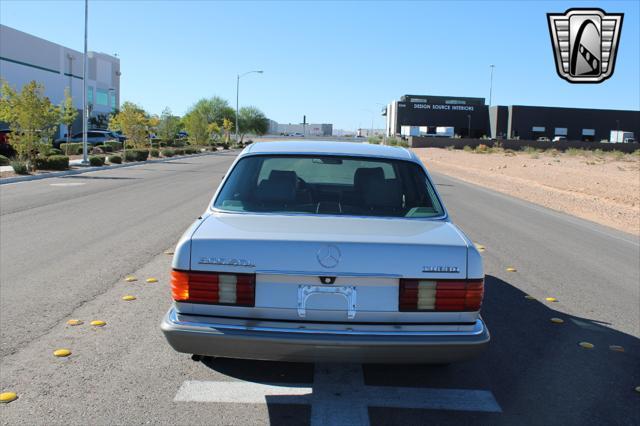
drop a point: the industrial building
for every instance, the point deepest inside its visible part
(24, 57)
(425, 115)
(307, 129)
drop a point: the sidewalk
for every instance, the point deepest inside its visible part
(88, 169)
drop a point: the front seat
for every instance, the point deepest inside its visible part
(278, 190)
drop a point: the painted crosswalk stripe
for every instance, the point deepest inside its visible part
(338, 395)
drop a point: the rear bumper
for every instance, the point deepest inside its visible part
(293, 342)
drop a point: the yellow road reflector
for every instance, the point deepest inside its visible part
(586, 345)
(62, 352)
(169, 252)
(557, 320)
(152, 280)
(98, 323)
(74, 322)
(550, 299)
(616, 348)
(128, 297)
(130, 279)
(479, 246)
(530, 297)
(7, 397)
(510, 269)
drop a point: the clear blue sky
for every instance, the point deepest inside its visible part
(333, 61)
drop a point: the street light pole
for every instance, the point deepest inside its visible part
(85, 110)
(491, 83)
(238, 98)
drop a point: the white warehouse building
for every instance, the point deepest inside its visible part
(24, 57)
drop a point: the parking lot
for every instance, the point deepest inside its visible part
(121, 222)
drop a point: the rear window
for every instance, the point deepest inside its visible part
(329, 185)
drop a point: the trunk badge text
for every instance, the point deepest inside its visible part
(329, 256)
(441, 269)
(226, 261)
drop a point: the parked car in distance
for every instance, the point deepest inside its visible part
(543, 139)
(94, 137)
(327, 251)
(5, 147)
(559, 138)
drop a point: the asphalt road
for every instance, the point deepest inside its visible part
(67, 243)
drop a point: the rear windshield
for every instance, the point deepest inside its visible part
(350, 186)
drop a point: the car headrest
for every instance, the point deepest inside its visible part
(386, 194)
(367, 176)
(279, 188)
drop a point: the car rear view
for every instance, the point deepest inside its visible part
(327, 252)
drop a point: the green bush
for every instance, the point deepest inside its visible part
(168, 153)
(53, 162)
(190, 150)
(136, 155)
(4, 161)
(393, 141)
(155, 153)
(73, 148)
(113, 146)
(115, 159)
(403, 143)
(467, 148)
(96, 160)
(20, 167)
(179, 151)
(54, 151)
(105, 148)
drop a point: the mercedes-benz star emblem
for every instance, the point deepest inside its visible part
(329, 256)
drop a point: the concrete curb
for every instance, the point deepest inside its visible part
(111, 167)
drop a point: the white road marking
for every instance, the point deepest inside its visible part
(68, 184)
(239, 392)
(338, 395)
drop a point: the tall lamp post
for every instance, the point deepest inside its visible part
(238, 98)
(372, 115)
(491, 83)
(85, 110)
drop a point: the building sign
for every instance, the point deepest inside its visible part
(444, 107)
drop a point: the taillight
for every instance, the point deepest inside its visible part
(213, 287)
(440, 295)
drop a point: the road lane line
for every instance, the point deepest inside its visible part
(338, 395)
(240, 392)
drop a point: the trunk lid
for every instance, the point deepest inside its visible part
(291, 256)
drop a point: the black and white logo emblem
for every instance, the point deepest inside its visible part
(329, 256)
(585, 43)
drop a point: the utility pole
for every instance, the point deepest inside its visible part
(491, 83)
(85, 110)
(238, 99)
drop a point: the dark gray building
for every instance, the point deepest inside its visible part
(471, 117)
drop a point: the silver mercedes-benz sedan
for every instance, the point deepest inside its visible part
(327, 251)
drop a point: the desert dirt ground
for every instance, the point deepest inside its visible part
(600, 187)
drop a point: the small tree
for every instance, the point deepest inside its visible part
(133, 122)
(214, 130)
(68, 114)
(168, 126)
(252, 120)
(195, 122)
(227, 125)
(31, 117)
